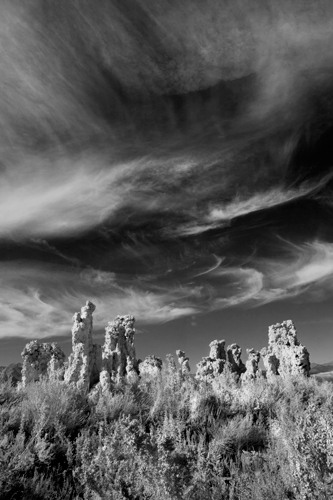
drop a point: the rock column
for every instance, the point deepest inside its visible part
(285, 355)
(83, 357)
(118, 353)
(234, 353)
(212, 365)
(39, 359)
(184, 362)
(252, 366)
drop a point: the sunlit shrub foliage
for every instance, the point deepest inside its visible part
(168, 438)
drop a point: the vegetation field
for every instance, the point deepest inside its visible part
(168, 438)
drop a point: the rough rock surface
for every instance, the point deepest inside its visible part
(151, 365)
(39, 358)
(132, 374)
(285, 355)
(85, 362)
(217, 350)
(211, 366)
(118, 353)
(184, 362)
(271, 362)
(96, 363)
(11, 372)
(252, 365)
(234, 353)
(171, 363)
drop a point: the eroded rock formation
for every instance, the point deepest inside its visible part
(116, 360)
(151, 365)
(185, 368)
(271, 362)
(171, 363)
(234, 353)
(132, 374)
(217, 350)
(212, 365)
(285, 355)
(12, 372)
(251, 365)
(85, 362)
(40, 359)
(118, 354)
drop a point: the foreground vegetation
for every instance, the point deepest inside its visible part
(168, 438)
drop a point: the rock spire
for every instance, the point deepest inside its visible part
(285, 355)
(84, 363)
(39, 359)
(211, 366)
(118, 353)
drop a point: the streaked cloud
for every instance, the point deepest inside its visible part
(246, 284)
(263, 200)
(307, 268)
(130, 151)
(39, 301)
(66, 198)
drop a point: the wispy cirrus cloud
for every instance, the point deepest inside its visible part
(264, 200)
(47, 192)
(245, 285)
(38, 301)
(220, 215)
(307, 271)
(129, 166)
(60, 199)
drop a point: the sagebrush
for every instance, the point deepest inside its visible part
(169, 437)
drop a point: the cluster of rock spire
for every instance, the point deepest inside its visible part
(90, 364)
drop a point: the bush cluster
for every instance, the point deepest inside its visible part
(169, 438)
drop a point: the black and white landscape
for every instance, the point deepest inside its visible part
(169, 160)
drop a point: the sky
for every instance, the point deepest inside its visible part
(170, 160)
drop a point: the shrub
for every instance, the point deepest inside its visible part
(169, 438)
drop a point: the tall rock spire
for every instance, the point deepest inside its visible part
(84, 363)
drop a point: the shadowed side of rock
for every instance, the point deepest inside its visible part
(11, 372)
(184, 362)
(234, 353)
(252, 370)
(271, 362)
